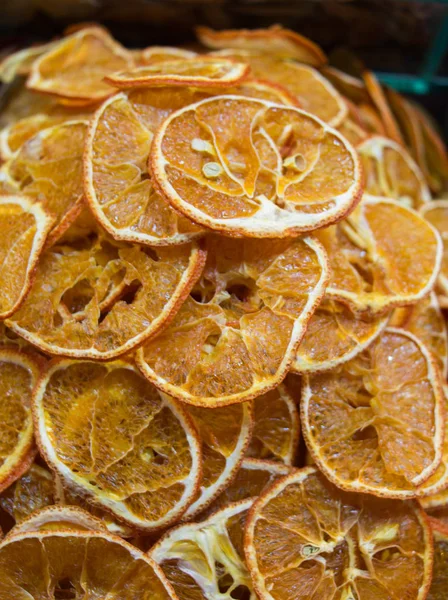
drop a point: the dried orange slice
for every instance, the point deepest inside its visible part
(251, 167)
(96, 298)
(409, 125)
(235, 337)
(225, 434)
(33, 491)
(439, 583)
(75, 67)
(17, 133)
(390, 172)
(370, 119)
(307, 539)
(9, 339)
(307, 85)
(115, 440)
(254, 475)
(71, 562)
(206, 559)
(263, 90)
(55, 518)
(203, 71)
(348, 85)
(383, 255)
(118, 188)
(433, 153)
(276, 427)
(426, 321)
(335, 335)
(20, 62)
(24, 225)
(18, 375)
(48, 168)
(275, 41)
(376, 424)
(378, 98)
(436, 212)
(67, 499)
(156, 54)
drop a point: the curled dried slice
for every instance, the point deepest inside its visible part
(383, 255)
(251, 167)
(264, 90)
(439, 583)
(74, 68)
(376, 424)
(254, 475)
(96, 298)
(55, 518)
(116, 440)
(305, 538)
(203, 71)
(70, 563)
(371, 120)
(235, 336)
(276, 427)
(348, 85)
(20, 62)
(206, 559)
(335, 335)
(426, 321)
(311, 89)
(48, 168)
(224, 434)
(275, 41)
(390, 172)
(379, 99)
(24, 225)
(352, 131)
(33, 491)
(18, 376)
(117, 184)
(436, 212)
(17, 133)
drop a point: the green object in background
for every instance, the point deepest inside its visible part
(427, 79)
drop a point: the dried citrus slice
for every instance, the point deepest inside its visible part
(409, 125)
(156, 54)
(71, 563)
(18, 376)
(9, 339)
(22, 103)
(66, 498)
(275, 41)
(16, 134)
(234, 338)
(335, 335)
(73, 309)
(276, 427)
(439, 583)
(383, 255)
(307, 539)
(425, 320)
(376, 424)
(245, 166)
(225, 434)
(206, 559)
(254, 475)
(263, 90)
(33, 491)
(434, 157)
(75, 67)
(390, 172)
(48, 168)
(117, 185)
(116, 440)
(378, 98)
(352, 87)
(203, 71)
(59, 517)
(436, 212)
(20, 62)
(311, 89)
(24, 225)
(370, 119)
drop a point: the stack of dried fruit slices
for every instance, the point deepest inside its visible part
(203, 257)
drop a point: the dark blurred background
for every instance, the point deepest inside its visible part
(404, 41)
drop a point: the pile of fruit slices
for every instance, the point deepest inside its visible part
(205, 256)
